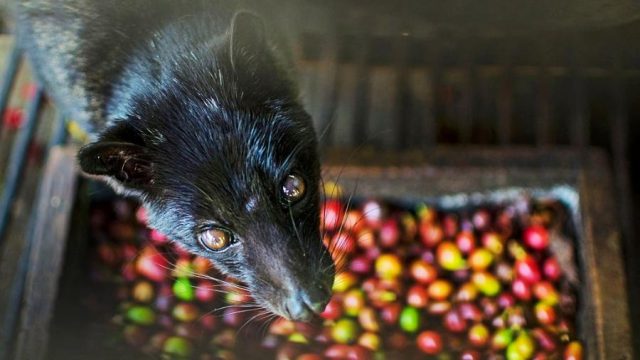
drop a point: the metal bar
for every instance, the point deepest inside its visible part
(17, 161)
(59, 134)
(8, 78)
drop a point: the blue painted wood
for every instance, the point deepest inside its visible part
(8, 78)
(17, 160)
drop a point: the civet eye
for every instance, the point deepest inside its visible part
(293, 188)
(215, 239)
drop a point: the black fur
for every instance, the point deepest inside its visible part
(194, 111)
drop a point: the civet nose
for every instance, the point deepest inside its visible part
(306, 303)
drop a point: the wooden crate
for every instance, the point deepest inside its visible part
(446, 178)
(463, 176)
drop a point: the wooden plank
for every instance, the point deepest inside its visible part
(610, 333)
(505, 101)
(402, 119)
(543, 116)
(361, 114)
(618, 117)
(14, 257)
(329, 87)
(579, 130)
(46, 253)
(343, 130)
(467, 105)
(430, 124)
(382, 132)
(422, 102)
(11, 61)
(17, 161)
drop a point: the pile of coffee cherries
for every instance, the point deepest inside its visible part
(413, 282)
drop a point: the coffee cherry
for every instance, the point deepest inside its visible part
(478, 335)
(454, 322)
(342, 243)
(178, 347)
(333, 310)
(143, 292)
(545, 314)
(527, 270)
(486, 283)
(390, 313)
(389, 234)
(493, 242)
(370, 340)
(353, 302)
(544, 340)
(183, 290)
(141, 315)
(152, 264)
(573, 351)
(440, 290)
(430, 234)
(331, 214)
(466, 242)
(410, 319)
(186, 312)
(480, 259)
(521, 289)
(345, 331)
(536, 237)
(429, 342)
(368, 320)
(466, 292)
(522, 347)
(344, 281)
(205, 291)
(551, 269)
(423, 272)
(388, 266)
(449, 257)
(546, 292)
(417, 296)
(501, 339)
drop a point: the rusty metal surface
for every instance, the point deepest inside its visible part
(580, 179)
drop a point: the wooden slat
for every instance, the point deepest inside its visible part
(329, 87)
(403, 121)
(430, 124)
(620, 135)
(505, 107)
(381, 131)
(10, 71)
(543, 116)
(17, 161)
(423, 132)
(343, 131)
(362, 93)
(46, 252)
(579, 128)
(467, 105)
